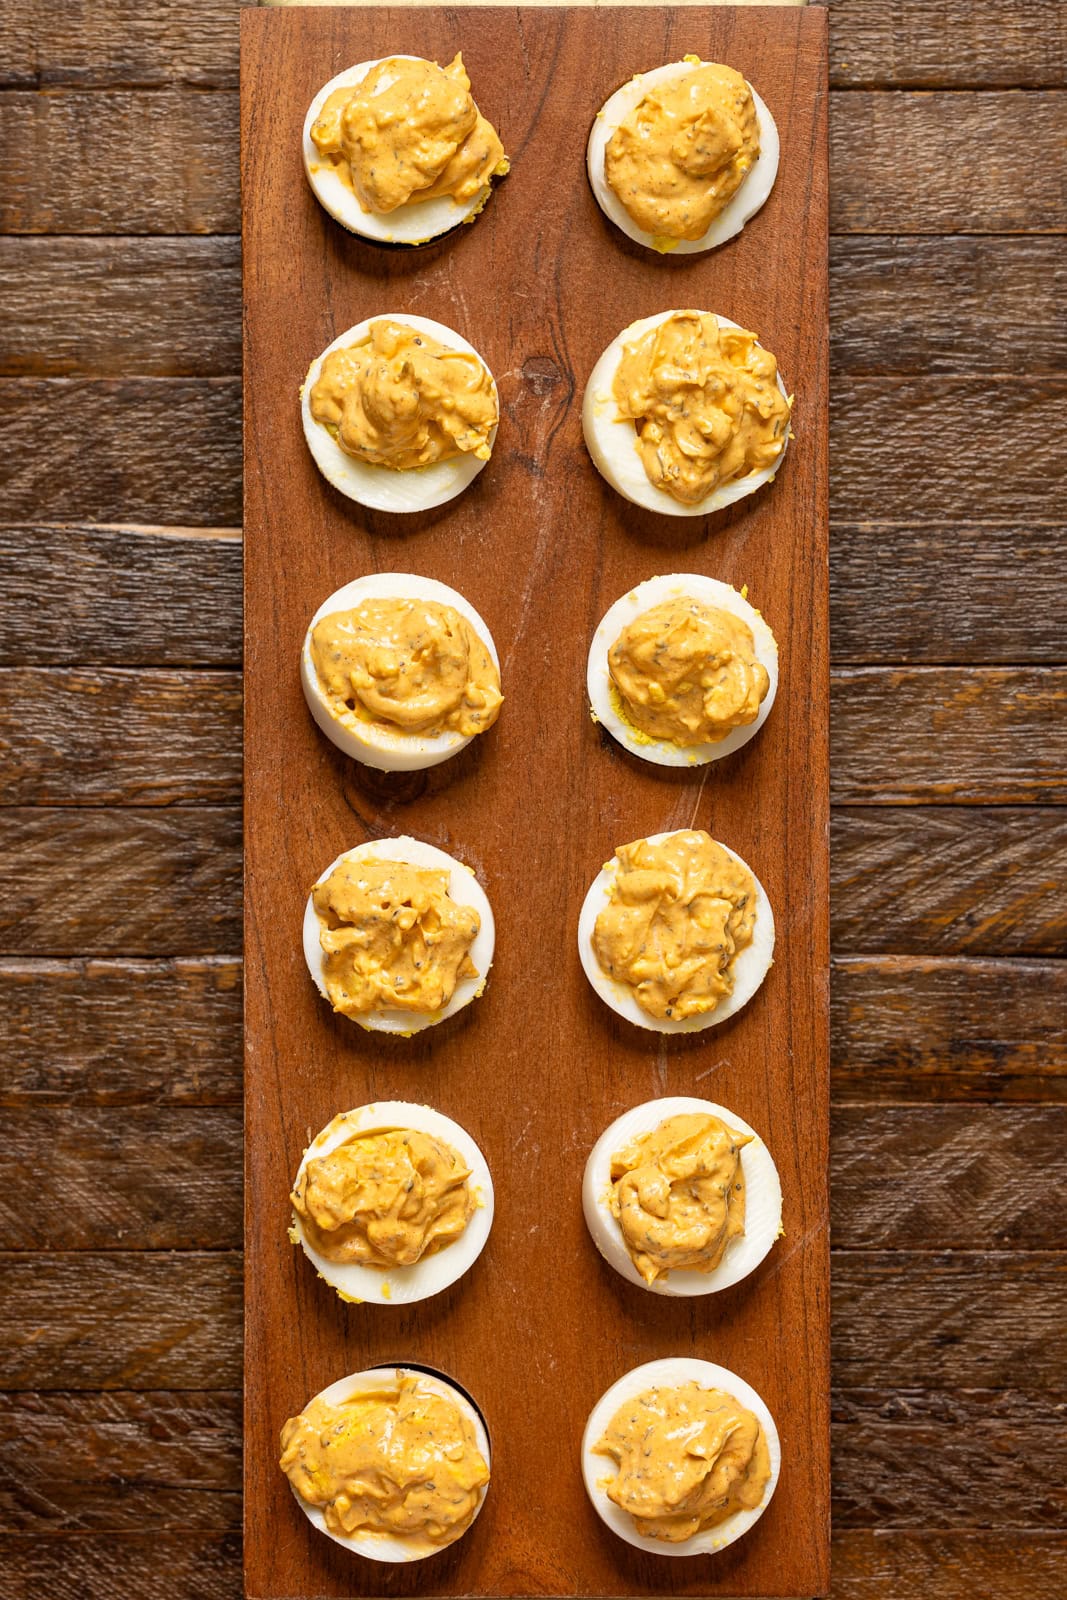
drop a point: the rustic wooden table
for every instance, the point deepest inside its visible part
(120, 1217)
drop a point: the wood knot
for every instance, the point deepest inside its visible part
(541, 373)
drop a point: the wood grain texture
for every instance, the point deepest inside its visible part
(953, 1566)
(109, 307)
(169, 1177)
(161, 308)
(95, 736)
(874, 43)
(557, 1071)
(920, 1028)
(949, 881)
(123, 596)
(135, 882)
(85, 1321)
(907, 163)
(920, 592)
(157, 1033)
(122, 450)
(942, 592)
(950, 735)
(947, 305)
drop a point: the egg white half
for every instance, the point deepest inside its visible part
(612, 440)
(750, 966)
(673, 1372)
(380, 1546)
(605, 701)
(385, 488)
(763, 1199)
(370, 742)
(402, 1285)
(414, 223)
(748, 199)
(464, 889)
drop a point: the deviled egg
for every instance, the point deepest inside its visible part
(396, 149)
(682, 1196)
(681, 157)
(398, 935)
(680, 1457)
(686, 413)
(392, 1202)
(676, 932)
(392, 1463)
(400, 413)
(682, 670)
(400, 672)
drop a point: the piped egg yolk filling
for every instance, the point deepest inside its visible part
(688, 1458)
(412, 666)
(705, 404)
(679, 913)
(678, 1194)
(392, 936)
(687, 673)
(384, 1199)
(403, 1461)
(684, 151)
(409, 131)
(400, 399)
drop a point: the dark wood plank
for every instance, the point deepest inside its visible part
(162, 308)
(135, 43)
(160, 1565)
(955, 305)
(144, 449)
(874, 44)
(118, 1462)
(122, 450)
(949, 735)
(120, 1033)
(934, 1177)
(542, 606)
(133, 1319)
(133, 882)
(901, 163)
(111, 307)
(915, 1028)
(949, 881)
(128, 596)
(933, 44)
(955, 163)
(904, 1177)
(945, 592)
(81, 1321)
(115, 736)
(134, 161)
(872, 1565)
(88, 1178)
(992, 587)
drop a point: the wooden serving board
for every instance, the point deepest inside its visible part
(541, 546)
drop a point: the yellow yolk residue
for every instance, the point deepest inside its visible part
(684, 151)
(688, 1458)
(679, 913)
(687, 672)
(384, 1199)
(409, 131)
(705, 404)
(392, 935)
(401, 399)
(402, 1460)
(413, 666)
(678, 1194)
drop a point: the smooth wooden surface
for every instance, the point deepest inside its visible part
(120, 978)
(541, 547)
